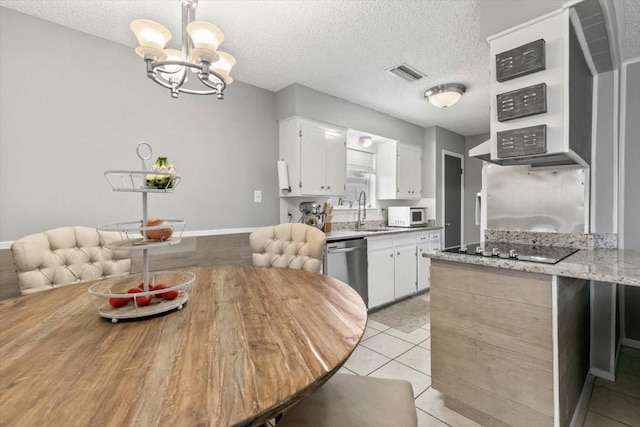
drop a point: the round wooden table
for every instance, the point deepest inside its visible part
(250, 342)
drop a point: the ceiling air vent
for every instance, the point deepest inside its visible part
(405, 72)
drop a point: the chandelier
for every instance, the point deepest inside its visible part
(199, 55)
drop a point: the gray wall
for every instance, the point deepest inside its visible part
(62, 126)
(603, 160)
(311, 104)
(472, 186)
(630, 159)
(429, 163)
(631, 196)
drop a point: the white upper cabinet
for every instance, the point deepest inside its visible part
(316, 156)
(399, 171)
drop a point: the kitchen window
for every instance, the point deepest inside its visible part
(361, 176)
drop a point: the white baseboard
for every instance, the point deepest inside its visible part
(602, 374)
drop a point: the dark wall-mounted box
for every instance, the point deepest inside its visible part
(523, 102)
(522, 142)
(522, 60)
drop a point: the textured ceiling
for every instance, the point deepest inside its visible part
(338, 47)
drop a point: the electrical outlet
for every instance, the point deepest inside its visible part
(257, 196)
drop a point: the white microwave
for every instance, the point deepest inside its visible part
(407, 216)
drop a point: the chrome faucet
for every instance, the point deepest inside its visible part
(362, 212)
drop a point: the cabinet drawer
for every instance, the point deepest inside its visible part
(375, 243)
(423, 237)
(404, 240)
(434, 237)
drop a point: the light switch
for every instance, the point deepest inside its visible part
(257, 196)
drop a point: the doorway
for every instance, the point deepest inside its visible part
(452, 197)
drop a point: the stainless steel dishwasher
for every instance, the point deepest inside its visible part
(346, 260)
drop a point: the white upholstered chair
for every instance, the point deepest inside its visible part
(297, 246)
(66, 255)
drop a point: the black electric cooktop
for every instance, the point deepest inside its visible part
(532, 253)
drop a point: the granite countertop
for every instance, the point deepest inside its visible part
(605, 265)
(335, 235)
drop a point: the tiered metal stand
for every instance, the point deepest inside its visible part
(135, 237)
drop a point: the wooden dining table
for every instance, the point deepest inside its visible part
(250, 342)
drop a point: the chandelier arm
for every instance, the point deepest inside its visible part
(185, 90)
(158, 64)
(220, 87)
(175, 62)
(160, 82)
(198, 92)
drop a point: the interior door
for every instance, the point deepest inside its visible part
(452, 196)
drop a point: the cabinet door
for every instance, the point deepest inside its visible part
(313, 158)
(424, 266)
(381, 276)
(336, 156)
(409, 172)
(405, 270)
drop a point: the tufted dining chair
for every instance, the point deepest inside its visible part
(66, 255)
(298, 246)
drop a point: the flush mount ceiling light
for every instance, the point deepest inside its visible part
(199, 54)
(365, 141)
(444, 96)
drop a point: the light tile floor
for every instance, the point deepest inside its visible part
(615, 403)
(386, 352)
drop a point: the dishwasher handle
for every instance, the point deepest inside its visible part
(344, 250)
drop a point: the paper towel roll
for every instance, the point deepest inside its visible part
(283, 176)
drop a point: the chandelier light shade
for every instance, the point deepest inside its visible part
(199, 55)
(444, 96)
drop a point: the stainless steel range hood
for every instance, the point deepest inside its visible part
(567, 159)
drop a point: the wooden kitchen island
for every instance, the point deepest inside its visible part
(510, 339)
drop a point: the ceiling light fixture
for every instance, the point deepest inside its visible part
(444, 96)
(365, 141)
(199, 55)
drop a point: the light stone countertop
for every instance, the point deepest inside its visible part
(605, 265)
(335, 235)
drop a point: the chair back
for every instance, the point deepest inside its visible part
(297, 246)
(66, 255)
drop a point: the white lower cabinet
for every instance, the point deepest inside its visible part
(430, 241)
(381, 260)
(405, 266)
(396, 266)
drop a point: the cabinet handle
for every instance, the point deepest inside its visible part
(328, 187)
(390, 255)
(322, 187)
(398, 253)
